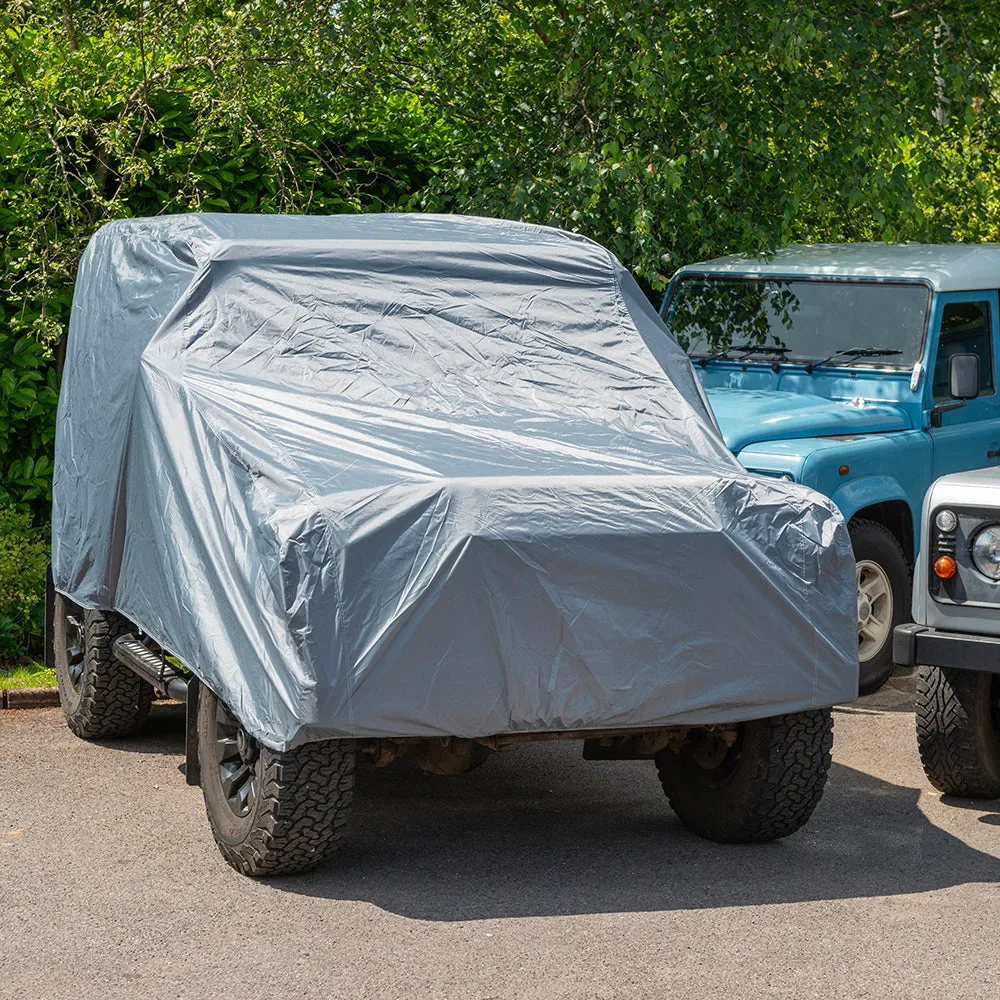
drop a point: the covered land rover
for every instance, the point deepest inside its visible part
(832, 366)
(383, 486)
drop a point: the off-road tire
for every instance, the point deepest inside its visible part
(875, 542)
(109, 700)
(300, 810)
(767, 787)
(958, 731)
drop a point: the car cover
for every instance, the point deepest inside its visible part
(417, 475)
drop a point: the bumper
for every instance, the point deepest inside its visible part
(917, 644)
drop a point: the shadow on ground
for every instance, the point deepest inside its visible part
(896, 695)
(542, 836)
(163, 732)
(538, 831)
(991, 808)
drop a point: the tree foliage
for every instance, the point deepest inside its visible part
(112, 110)
(667, 131)
(671, 131)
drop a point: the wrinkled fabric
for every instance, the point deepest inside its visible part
(410, 475)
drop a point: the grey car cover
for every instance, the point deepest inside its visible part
(413, 475)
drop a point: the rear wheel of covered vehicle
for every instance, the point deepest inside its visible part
(883, 580)
(958, 731)
(760, 786)
(100, 697)
(271, 812)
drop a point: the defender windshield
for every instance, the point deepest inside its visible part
(809, 319)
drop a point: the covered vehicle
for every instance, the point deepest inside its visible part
(429, 485)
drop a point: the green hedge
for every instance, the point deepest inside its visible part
(24, 549)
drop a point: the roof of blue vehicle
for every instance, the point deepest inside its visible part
(947, 267)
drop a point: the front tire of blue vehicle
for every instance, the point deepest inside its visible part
(271, 812)
(883, 582)
(758, 787)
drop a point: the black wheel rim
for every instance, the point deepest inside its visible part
(236, 754)
(76, 648)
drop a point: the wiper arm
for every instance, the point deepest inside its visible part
(747, 350)
(853, 352)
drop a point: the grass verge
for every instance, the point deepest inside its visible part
(34, 675)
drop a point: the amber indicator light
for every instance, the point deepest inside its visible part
(945, 567)
(844, 469)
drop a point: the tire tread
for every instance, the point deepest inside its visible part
(114, 701)
(789, 783)
(956, 756)
(305, 802)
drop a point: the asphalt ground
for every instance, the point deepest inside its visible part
(540, 875)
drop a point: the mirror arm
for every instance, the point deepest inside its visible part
(945, 408)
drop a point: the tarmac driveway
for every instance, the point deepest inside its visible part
(539, 875)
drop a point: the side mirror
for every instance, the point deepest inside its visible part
(963, 376)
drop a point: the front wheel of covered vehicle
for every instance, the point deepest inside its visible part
(271, 812)
(760, 786)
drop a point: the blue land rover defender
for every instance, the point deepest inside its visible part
(865, 371)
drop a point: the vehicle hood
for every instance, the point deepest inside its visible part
(747, 416)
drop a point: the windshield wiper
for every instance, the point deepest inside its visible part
(853, 352)
(747, 350)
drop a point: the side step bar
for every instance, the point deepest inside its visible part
(153, 668)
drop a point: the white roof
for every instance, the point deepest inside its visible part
(949, 267)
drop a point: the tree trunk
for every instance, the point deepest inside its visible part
(69, 25)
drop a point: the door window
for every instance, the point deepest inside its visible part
(965, 329)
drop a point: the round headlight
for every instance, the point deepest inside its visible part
(946, 521)
(986, 551)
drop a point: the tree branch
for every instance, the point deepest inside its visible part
(161, 74)
(67, 15)
(535, 26)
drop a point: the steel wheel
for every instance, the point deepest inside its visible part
(874, 608)
(234, 753)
